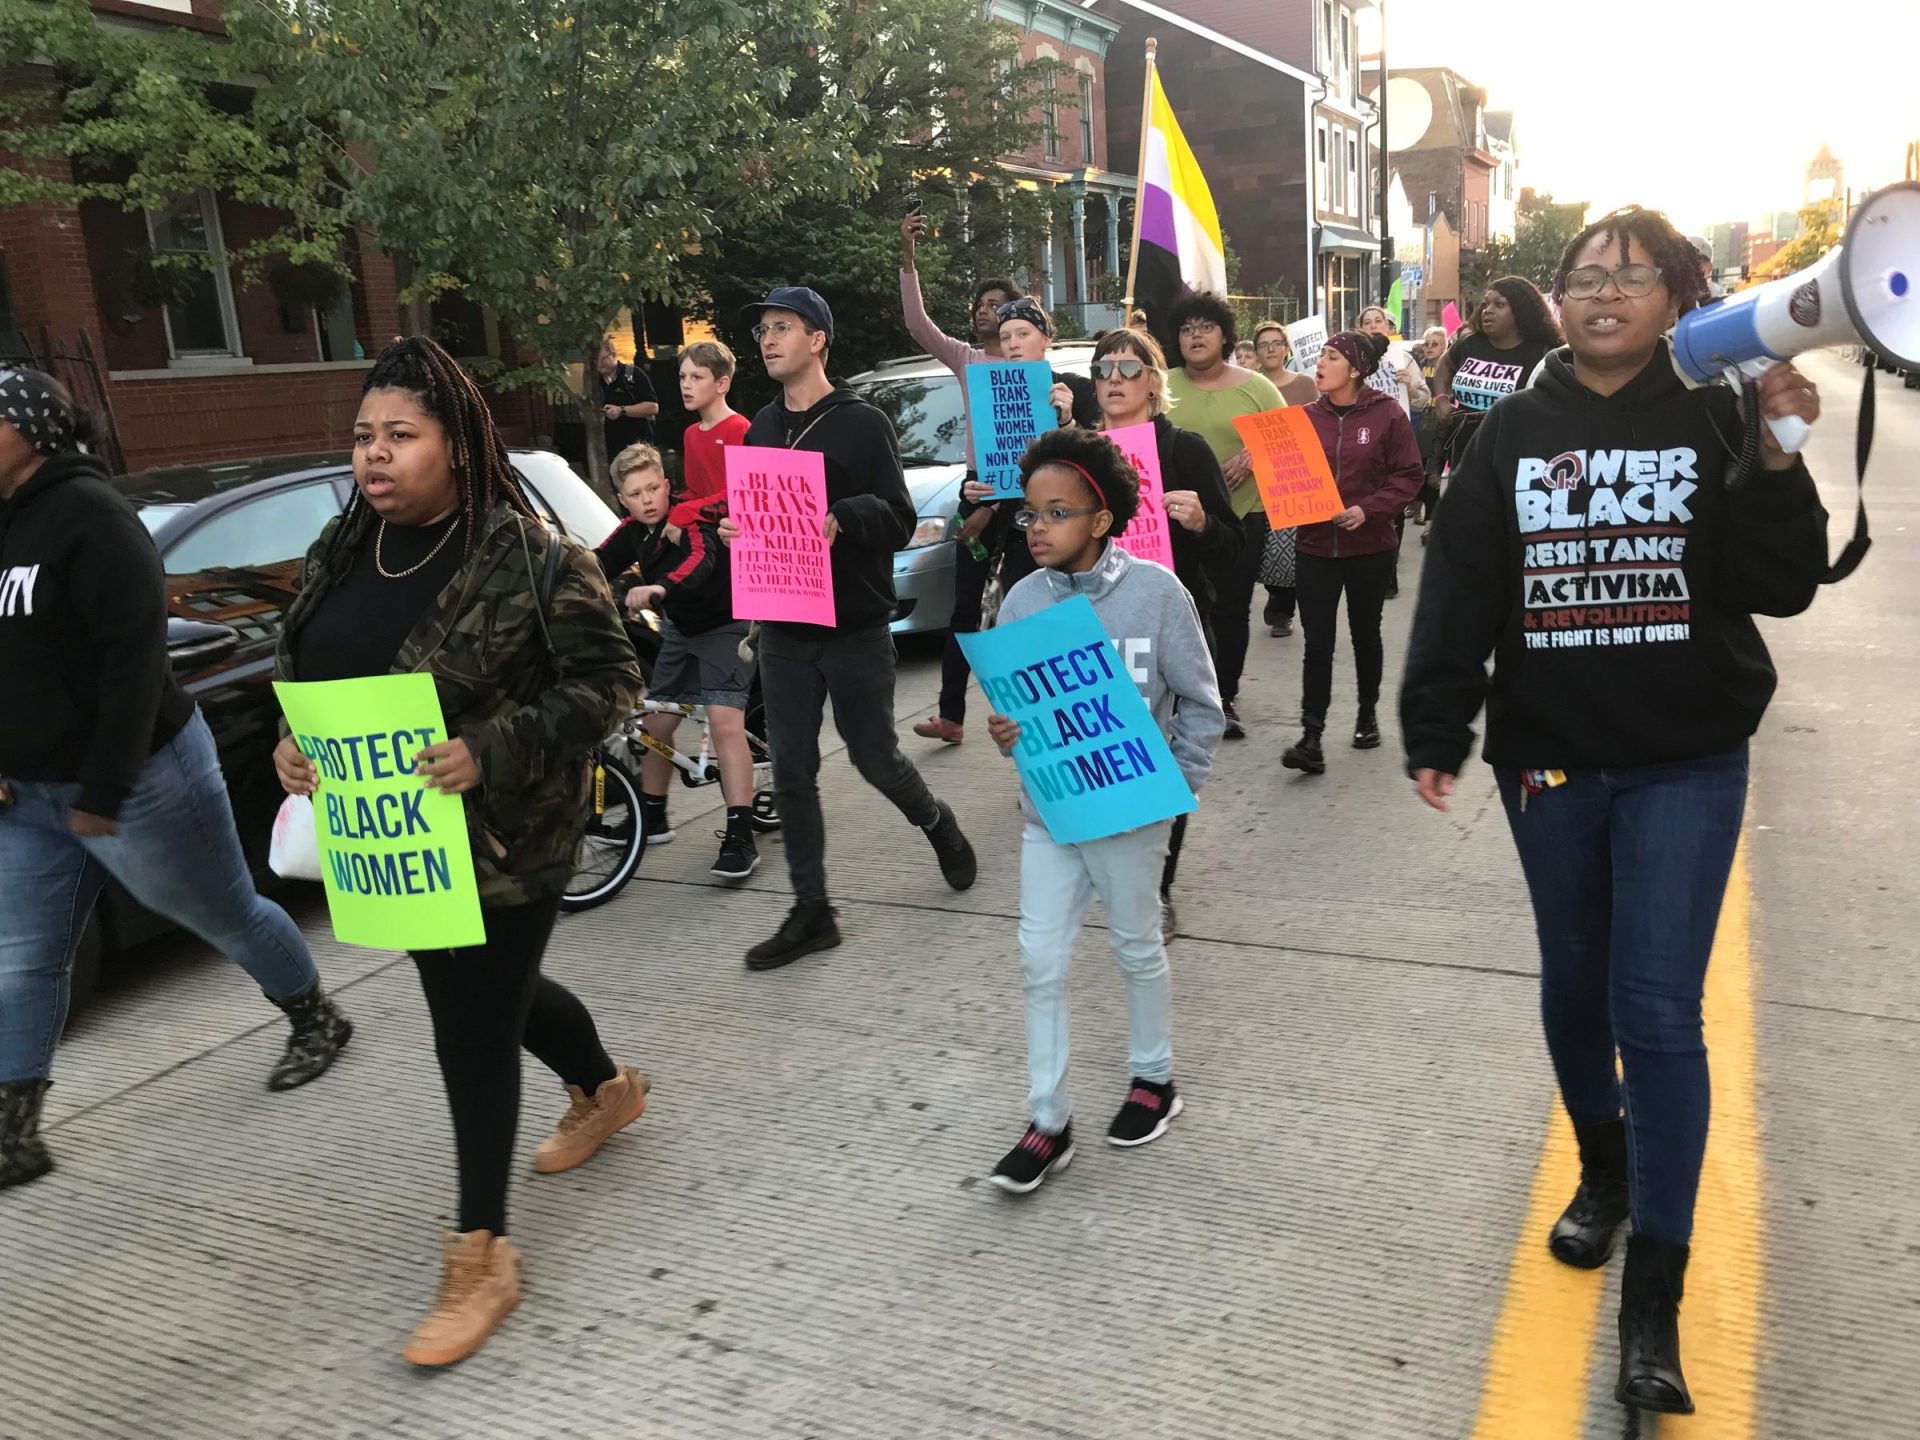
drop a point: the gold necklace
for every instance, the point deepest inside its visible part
(380, 565)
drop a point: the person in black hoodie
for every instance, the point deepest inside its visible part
(1601, 543)
(106, 767)
(1130, 382)
(869, 517)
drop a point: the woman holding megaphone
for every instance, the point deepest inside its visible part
(1599, 541)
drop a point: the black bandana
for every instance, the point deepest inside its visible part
(36, 412)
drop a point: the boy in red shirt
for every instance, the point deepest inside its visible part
(706, 375)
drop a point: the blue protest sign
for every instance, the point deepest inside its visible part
(1090, 754)
(1008, 406)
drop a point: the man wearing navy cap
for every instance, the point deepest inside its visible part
(869, 517)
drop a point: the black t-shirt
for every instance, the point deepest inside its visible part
(366, 617)
(1484, 374)
(629, 385)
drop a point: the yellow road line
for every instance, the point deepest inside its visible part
(1539, 1364)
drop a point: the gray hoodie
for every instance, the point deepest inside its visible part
(1151, 619)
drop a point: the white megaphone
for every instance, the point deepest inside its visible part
(1866, 289)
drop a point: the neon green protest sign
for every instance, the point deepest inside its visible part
(394, 853)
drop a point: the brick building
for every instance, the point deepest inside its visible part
(1268, 93)
(208, 368)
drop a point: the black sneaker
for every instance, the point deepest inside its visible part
(1305, 754)
(1235, 730)
(1366, 731)
(1270, 613)
(1169, 920)
(809, 926)
(739, 856)
(1037, 1156)
(956, 856)
(654, 825)
(1281, 630)
(1150, 1108)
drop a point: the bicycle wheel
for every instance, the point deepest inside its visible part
(766, 810)
(610, 850)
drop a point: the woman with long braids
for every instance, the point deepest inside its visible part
(1513, 332)
(1607, 540)
(439, 565)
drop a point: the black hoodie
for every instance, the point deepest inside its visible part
(83, 637)
(866, 493)
(1592, 545)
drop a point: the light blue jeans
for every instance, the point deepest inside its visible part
(177, 853)
(1057, 883)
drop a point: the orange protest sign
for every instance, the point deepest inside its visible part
(1289, 465)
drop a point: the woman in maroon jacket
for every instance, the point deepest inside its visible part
(1376, 463)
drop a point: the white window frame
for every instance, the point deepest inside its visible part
(1086, 117)
(1353, 173)
(222, 289)
(1320, 160)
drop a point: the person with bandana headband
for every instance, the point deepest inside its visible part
(1376, 464)
(106, 767)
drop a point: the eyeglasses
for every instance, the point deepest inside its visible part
(1270, 345)
(1200, 327)
(1046, 519)
(778, 327)
(1586, 281)
(1127, 369)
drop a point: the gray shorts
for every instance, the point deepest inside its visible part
(703, 669)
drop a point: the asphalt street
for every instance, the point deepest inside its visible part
(1340, 1238)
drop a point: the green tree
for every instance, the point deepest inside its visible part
(1820, 231)
(558, 160)
(1542, 232)
(934, 95)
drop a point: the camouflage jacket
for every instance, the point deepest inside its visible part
(530, 715)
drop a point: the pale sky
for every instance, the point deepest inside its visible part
(1708, 109)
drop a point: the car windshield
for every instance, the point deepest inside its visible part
(929, 417)
(157, 517)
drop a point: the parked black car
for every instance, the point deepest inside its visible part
(231, 537)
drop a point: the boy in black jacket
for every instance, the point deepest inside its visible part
(667, 558)
(869, 517)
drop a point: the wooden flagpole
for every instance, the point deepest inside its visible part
(1140, 177)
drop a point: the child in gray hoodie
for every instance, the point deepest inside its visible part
(1080, 491)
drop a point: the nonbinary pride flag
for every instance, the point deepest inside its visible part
(1180, 245)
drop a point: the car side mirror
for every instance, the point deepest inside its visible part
(192, 644)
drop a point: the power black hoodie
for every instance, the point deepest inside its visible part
(1592, 546)
(866, 493)
(83, 637)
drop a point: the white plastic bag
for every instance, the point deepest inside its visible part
(294, 852)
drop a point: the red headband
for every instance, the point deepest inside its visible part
(1083, 473)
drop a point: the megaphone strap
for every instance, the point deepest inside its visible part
(1855, 550)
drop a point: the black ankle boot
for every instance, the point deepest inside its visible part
(1366, 730)
(1650, 1291)
(320, 1032)
(1583, 1235)
(1305, 753)
(23, 1154)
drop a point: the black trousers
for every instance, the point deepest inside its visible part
(1365, 579)
(487, 1001)
(1232, 606)
(969, 587)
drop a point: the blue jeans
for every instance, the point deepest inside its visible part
(1627, 869)
(177, 853)
(1057, 883)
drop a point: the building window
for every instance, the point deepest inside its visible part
(1353, 175)
(1050, 128)
(1086, 119)
(1346, 50)
(1320, 162)
(200, 325)
(1326, 37)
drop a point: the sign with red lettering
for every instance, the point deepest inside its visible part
(782, 563)
(1149, 535)
(1296, 483)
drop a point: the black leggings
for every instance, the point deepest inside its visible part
(487, 1001)
(1232, 606)
(1366, 580)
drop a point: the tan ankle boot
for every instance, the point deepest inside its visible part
(592, 1120)
(479, 1287)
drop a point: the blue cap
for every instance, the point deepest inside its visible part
(805, 303)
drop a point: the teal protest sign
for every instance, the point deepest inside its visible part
(394, 854)
(1090, 754)
(1010, 404)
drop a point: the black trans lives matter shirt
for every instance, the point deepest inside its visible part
(1591, 544)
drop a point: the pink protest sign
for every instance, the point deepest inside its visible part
(1450, 317)
(782, 565)
(1149, 536)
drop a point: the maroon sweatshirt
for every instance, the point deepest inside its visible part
(1376, 464)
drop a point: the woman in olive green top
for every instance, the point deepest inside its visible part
(1209, 391)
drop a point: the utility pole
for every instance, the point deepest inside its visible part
(1386, 169)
